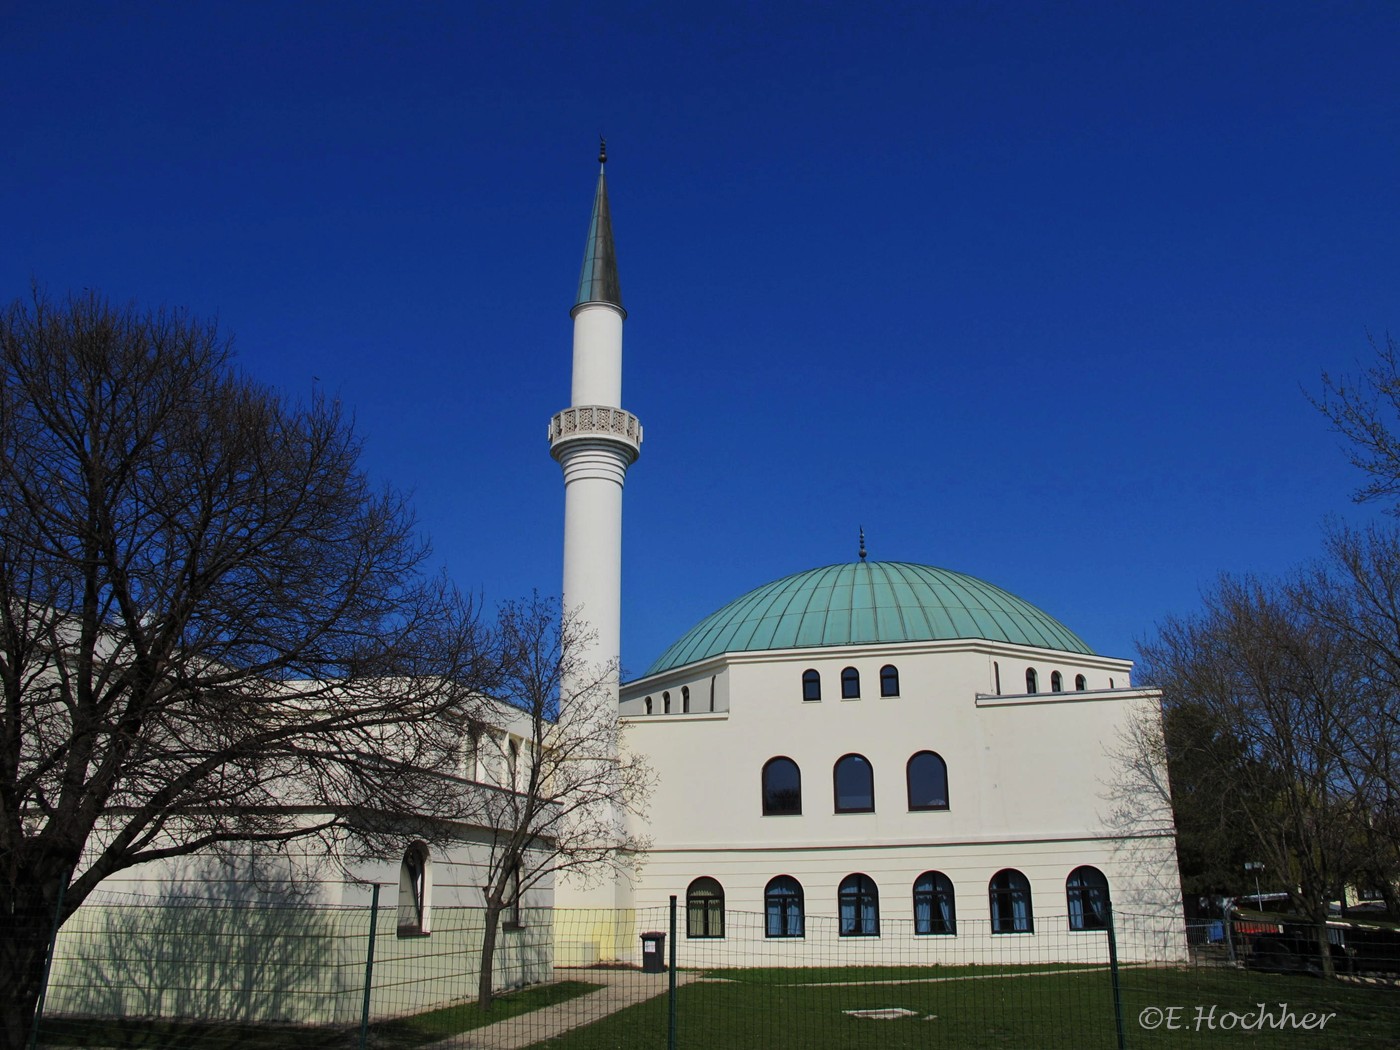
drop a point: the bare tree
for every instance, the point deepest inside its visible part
(1365, 409)
(570, 785)
(1270, 689)
(213, 629)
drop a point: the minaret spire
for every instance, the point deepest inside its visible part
(598, 283)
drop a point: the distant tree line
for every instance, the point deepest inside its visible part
(1281, 698)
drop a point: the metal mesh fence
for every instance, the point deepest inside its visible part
(145, 971)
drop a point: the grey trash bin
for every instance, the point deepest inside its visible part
(653, 953)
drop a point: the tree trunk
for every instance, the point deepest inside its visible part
(1324, 948)
(24, 945)
(484, 991)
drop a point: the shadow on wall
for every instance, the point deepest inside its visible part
(228, 946)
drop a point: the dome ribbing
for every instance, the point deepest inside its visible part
(868, 603)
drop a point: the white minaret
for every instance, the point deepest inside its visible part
(595, 440)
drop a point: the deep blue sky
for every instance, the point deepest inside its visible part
(1031, 291)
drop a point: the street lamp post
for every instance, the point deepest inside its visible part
(1256, 867)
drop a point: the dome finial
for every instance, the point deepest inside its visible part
(862, 543)
(602, 150)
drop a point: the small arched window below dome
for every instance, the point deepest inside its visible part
(850, 684)
(1057, 682)
(1032, 682)
(1080, 683)
(811, 685)
(666, 703)
(889, 680)
(685, 699)
(648, 703)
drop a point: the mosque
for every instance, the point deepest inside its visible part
(868, 751)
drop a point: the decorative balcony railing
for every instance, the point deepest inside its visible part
(596, 421)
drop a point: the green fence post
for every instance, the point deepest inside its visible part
(1117, 987)
(671, 984)
(369, 965)
(48, 961)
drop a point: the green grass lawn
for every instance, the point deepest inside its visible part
(1026, 1011)
(384, 1035)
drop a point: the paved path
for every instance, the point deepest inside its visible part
(621, 988)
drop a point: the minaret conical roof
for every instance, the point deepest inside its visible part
(598, 282)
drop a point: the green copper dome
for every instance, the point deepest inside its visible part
(867, 603)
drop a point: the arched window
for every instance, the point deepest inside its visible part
(1080, 683)
(927, 779)
(1057, 683)
(1032, 683)
(1010, 896)
(889, 680)
(782, 787)
(782, 907)
(648, 705)
(415, 891)
(704, 908)
(850, 684)
(854, 784)
(996, 676)
(666, 703)
(858, 902)
(1086, 892)
(811, 685)
(934, 910)
(685, 699)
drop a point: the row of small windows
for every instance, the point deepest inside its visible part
(666, 702)
(853, 784)
(1057, 680)
(850, 683)
(934, 905)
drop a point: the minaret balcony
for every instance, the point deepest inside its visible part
(596, 422)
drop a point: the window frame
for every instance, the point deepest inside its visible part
(1057, 682)
(863, 896)
(1032, 681)
(769, 811)
(1004, 898)
(850, 683)
(790, 905)
(811, 686)
(939, 891)
(711, 905)
(909, 781)
(889, 680)
(1084, 912)
(836, 784)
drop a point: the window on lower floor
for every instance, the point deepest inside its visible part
(854, 782)
(782, 787)
(1086, 893)
(415, 891)
(1010, 898)
(782, 907)
(934, 910)
(858, 903)
(704, 908)
(927, 777)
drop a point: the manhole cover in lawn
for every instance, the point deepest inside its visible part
(889, 1013)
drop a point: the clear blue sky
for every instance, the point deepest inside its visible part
(1031, 291)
